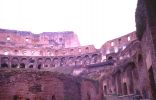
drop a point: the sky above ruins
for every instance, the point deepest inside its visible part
(94, 21)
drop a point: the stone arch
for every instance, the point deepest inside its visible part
(105, 89)
(133, 79)
(78, 60)
(86, 60)
(71, 61)
(56, 62)
(94, 58)
(63, 61)
(110, 58)
(31, 62)
(47, 62)
(4, 62)
(23, 63)
(39, 63)
(14, 62)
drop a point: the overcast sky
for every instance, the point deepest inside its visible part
(94, 21)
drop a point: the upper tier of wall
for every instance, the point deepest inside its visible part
(22, 43)
(54, 40)
(118, 44)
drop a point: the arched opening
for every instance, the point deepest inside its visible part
(63, 61)
(47, 62)
(152, 82)
(3, 65)
(31, 61)
(110, 58)
(105, 89)
(39, 62)
(56, 62)
(53, 97)
(86, 60)
(15, 97)
(94, 58)
(30, 66)
(78, 60)
(71, 61)
(4, 62)
(39, 66)
(125, 89)
(14, 63)
(23, 63)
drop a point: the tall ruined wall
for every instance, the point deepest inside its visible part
(115, 45)
(46, 39)
(32, 85)
(146, 32)
(22, 43)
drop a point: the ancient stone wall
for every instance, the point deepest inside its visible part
(32, 85)
(46, 62)
(118, 44)
(54, 40)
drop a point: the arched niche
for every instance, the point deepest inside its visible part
(31, 62)
(4, 62)
(86, 60)
(94, 58)
(14, 62)
(23, 63)
(71, 61)
(63, 61)
(78, 60)
(56, 62)
(47, 62)
(39, 63)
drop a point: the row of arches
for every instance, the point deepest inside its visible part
(128, 79)
(40, 62)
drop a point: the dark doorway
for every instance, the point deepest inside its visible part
(152, 83)
(125, 89)
(14, 65)
(3, 65)
(27, 99)
(105, 89)
(88, 96)
(22, 65)
(53, 97)
(15, 97)
(31, 66)
(39, 66)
